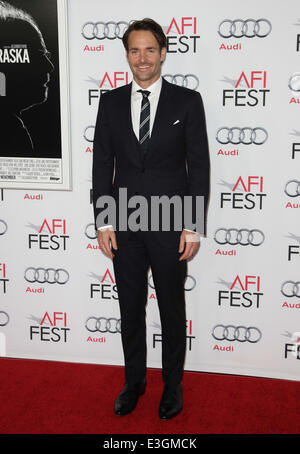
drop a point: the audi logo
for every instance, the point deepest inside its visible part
(49, 275)
(3, 227)
(292, 188)
(104, 30)
(184, 80)
(248, 28)
(190, 283)
(290, 289)
(236, 333)
(103, 325)
(294, 82)
(86, 133)
(4, 318)
(243, 237)
(90, 231)
(245, 136)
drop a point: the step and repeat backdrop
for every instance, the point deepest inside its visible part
(58, 297)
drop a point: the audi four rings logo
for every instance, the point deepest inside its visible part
(190, 283)
(4, 318)
(290, 289)
(248, 28)
(89, 137)
(103, 325)
(104, 30)
(236, 333)
(245, 136)
(3, 227)
(184, 80)
(292, 188)
(49, 275)
(90, 231)
(294, 82)
(244, 237)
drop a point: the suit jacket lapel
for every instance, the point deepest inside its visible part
(125, 114)
(161, 112)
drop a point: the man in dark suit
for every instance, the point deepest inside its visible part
(150, 138)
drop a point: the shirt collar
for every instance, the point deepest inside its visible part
(154, 88)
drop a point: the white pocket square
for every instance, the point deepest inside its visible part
(176, 122)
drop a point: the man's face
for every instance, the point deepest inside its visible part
(144, 57)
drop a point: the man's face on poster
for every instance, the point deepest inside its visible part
(25, 62)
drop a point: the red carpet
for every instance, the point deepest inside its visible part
(41, 397)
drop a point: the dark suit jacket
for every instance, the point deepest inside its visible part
(177, 161)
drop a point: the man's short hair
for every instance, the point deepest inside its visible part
(148, 25)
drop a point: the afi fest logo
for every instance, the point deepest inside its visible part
(3, 278)
(51, 328)
(244, 291)
(295, 145)
(251, 196)
(108, 81)
(54, 237)
(293, 249)
(182, 35)
(157, 337)
(106, 289)
(293, 347)
(250, 89)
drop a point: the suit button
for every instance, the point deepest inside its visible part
(143, 170)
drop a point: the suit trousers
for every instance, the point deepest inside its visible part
(159, 251)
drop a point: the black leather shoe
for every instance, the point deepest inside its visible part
(128, 398)
(171, 401)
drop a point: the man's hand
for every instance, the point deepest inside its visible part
(105, 236)
(189, 243)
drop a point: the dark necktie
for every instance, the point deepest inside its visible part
(144, 133)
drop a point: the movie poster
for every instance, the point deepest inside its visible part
(34, 100)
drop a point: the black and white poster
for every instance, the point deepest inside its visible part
(34, 100)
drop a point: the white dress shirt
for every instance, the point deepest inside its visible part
(136, 103)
